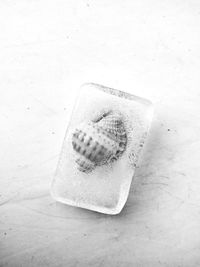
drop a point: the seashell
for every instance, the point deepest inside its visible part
(100, 141)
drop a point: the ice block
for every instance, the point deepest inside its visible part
(96, 173)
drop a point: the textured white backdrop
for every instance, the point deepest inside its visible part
(148, 48)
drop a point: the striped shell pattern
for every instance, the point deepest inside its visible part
(99, 142)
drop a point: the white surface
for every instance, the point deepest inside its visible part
(149, 48)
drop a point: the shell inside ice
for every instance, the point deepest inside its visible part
(99, 141)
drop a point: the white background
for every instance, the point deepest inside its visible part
(47, 50)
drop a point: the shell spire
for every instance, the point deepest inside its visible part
(99, 142)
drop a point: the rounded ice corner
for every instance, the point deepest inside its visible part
(111, 210)
(118, 93)
(103, 210)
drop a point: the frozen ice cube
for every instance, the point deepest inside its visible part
(105, 189)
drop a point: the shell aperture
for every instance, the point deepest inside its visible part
(99, 142)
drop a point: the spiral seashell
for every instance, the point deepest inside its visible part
(99, 141)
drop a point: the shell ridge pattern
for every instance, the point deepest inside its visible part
(99, 142)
